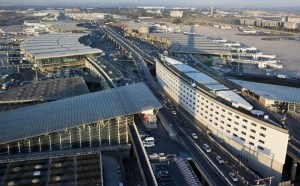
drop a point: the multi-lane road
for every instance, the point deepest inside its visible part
(185, 144)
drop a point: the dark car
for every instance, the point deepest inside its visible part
(149, 131)
(185, 125)
(162, 179)
(165, 183)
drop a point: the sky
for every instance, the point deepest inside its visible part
(194, 3)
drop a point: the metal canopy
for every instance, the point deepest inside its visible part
(56, 45)
(71, 112)
(272, 92)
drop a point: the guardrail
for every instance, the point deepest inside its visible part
(147, 160)
(165, 124)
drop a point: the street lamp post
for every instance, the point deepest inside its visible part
(35, 66)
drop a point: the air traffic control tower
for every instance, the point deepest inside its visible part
(97, 120)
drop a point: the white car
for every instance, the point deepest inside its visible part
(219, 159)
(153, 156)
(149, 144)
(174, 112)
(194, 136)
(233, 176)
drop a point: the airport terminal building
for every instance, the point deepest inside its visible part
(57, 50)
(97, 119)
(253, 139)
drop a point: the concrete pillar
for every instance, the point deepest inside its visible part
(294, 168)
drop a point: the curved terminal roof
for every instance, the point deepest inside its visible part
(272, 92)
(56, 45)
(72, 112)
(192, 44)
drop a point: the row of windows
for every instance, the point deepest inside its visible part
(188, 98)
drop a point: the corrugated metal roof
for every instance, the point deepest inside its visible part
(56, 45)
(217, 87)
(272, 92)
(202, 78)
(234, 98)
(184, 68)
(71, 112)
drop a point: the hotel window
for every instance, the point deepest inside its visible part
(251, 143)
(244, 126)
(216, 118)
(210, 120)
(211, 115)
(229, 119)
(261, 141)
(261, 148)
(244, 120)
(212, 104)
(222, 121)
(263, 128)
(223, 110)
(211, 110)
(252, 137)
(230, 113)
(237, 117)
(228, 125)
(222, 116)
(252, 130)
(217, 112)
(261, 134)
(217, 107)
(228, 131)
(253, 124)
(242, 138)
(237, 123)
(216, 124)
(221, 127)
(234, 135)
(243, 132)
(236, 129)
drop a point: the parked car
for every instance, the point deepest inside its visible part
(149, 144)
(149, 131)
(164, 171)
(173, 112)
(233, 176)
(153, 156)
(119, 170)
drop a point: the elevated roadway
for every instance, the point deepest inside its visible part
(144, 164)
(216, 176)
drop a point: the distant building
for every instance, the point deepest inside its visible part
(176, 13)
(212, 9)
(290, 25)
(143, 30)
(290, 19)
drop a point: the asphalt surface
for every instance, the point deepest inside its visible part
(192, 147)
